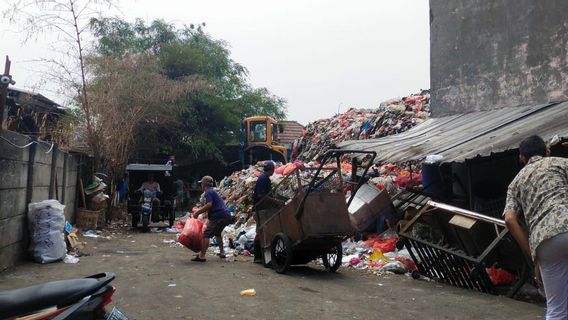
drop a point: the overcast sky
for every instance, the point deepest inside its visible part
(318, 54)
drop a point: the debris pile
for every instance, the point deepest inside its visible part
(394, 177)
(392, 117)
(378, 253)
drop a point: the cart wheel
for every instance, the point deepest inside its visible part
(145, 222)
(415, 275)
(281, 252)
(332, 259)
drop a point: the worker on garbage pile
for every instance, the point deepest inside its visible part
(262, 188)
(539, 194)
(217, 214)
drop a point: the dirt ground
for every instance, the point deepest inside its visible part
(156, 280)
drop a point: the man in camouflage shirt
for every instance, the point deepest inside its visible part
(539, 192)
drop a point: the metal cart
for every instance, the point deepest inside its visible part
(299, 222)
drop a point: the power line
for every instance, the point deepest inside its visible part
(27, 145)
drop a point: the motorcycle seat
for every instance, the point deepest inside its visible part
(21, 301)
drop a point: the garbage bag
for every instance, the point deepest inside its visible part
(245, 240)
(500, 277)
(46, 224)
(192, 235)
(384, 245)
(396, 267)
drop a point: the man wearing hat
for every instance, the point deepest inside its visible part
(262, 188)
(217, 214)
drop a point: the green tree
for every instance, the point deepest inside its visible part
(202, 121)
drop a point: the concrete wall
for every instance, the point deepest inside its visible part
(16, 190)
(493, 54)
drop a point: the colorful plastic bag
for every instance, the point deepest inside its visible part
(192, 235)
(500, 277)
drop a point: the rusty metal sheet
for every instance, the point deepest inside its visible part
(325, 214)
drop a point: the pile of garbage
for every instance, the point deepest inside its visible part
(391, 117)
(394, 177)
(378, 253)
(237, 191)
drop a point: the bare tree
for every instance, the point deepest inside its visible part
(69, 21)
(128, 92)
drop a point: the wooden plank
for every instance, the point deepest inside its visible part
(463, 222)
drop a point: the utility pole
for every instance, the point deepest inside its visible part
(5, 80)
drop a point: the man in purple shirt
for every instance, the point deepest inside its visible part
(217, 214)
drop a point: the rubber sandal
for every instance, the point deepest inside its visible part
(198, 259)
(221, 255)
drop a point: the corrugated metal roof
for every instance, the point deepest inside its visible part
(466, 136)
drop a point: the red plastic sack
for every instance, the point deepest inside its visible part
(500, 276)
(280, 170)
(410, 265)
(404, 180)
(289, 168)
(385, 245)
(192, 235)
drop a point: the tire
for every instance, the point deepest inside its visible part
(281, 253)
(332, 259)
(145, 222)
(415, 275)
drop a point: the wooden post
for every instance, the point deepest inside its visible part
(52, 176)
(64, 182)
(4, 92)
(29, 187)
(83, 193)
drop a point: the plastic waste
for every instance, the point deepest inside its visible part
(378, 255)
(248, 293)
(354, 261)
(70, 259)
(408, 263)
(192, 235)
(90, 234)
(384, 245)
(395, 267)
(171, 230)
(500, 277)
(433, 158)
(46, 226)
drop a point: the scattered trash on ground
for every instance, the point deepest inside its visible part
(70, 259)
(90, 234)
(248, 293)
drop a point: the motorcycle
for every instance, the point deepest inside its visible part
(146, 210)
(85, 298)
(137, 202)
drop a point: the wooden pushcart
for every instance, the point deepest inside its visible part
(299, 222)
